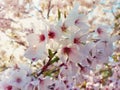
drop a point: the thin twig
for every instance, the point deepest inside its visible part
(46, 66)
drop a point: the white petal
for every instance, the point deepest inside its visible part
(74, 11)
(33, 39)
(35, 52)
(83, 26)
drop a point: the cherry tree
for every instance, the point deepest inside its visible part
(59, 45)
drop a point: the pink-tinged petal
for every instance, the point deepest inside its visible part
(72, 52)
(73, 67)
(53, 33)
(35, 52)
(83, 18)
(69, 22)
(74, 18)
(9, 88)
(103, 30)
(105, 47)
(80, 18)
(78, 38)
(74, 12)
(83, 26)
(33, 39)
(63, 27)
(29, 87)
(19, 78)
(75, 56)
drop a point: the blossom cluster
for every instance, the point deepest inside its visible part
(73, 50)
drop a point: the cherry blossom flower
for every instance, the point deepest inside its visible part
(74, 18)
(53, 33)
(29, 87)
(36, 48)
(19, 78)
(103, 30)
(6, 86)
(72, 53)
(35, 52)
(79, 38)
(62, 26)
(33, 84)
(14, 79)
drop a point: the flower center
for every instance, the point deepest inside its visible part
(33, 59)
(42, 37)
(77, 21)
(76, 41)
(9, 87)
(18, 80)
(63, 27)
(51, 34)
(41, 81)
(67, 50)
(99, 31)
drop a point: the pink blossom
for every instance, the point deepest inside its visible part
(36, 48)
(72, 53)
(79, 20)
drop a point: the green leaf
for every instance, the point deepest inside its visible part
(51, 54)
(47, 73)
(106, 73)
(54, 60)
